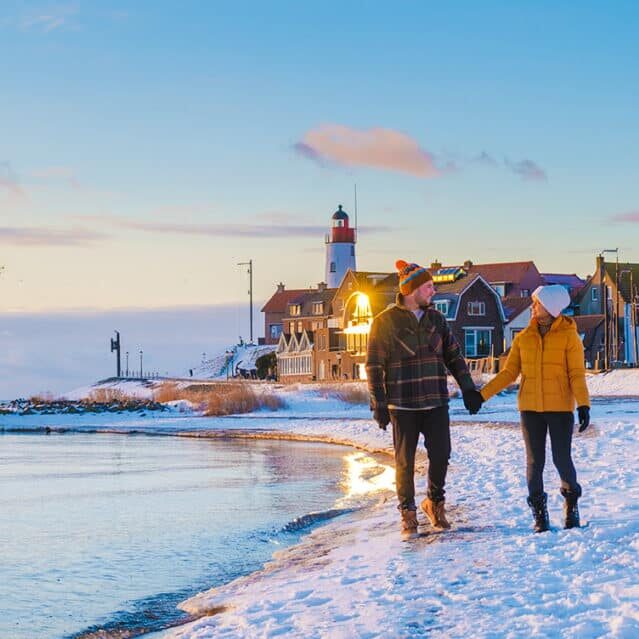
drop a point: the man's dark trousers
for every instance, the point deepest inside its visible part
(434, 424)
(534, 427)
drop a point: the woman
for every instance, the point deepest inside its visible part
(550, 357)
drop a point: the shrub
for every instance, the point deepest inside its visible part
(350, 392)
(220, 398)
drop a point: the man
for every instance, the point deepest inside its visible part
(410, 349)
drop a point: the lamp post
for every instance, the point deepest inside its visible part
(115, 346)
(631, 347)
(250, 292)
(141, 364)
(604, 303)
(126, 354)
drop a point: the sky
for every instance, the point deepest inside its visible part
(148, 147)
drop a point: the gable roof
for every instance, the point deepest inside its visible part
(515, 306)
(504, 272)
(280, 299)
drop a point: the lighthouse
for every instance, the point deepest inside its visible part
(340, 249)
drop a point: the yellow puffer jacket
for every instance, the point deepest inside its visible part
(552, 369)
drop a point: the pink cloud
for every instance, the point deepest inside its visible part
(25, 236)
(632, 216)
(377, 148)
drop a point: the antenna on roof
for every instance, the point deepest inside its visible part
(355, 185)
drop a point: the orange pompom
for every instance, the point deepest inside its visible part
(400, 264)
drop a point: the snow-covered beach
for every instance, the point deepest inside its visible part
(487, 577)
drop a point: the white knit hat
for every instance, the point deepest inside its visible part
(554, 298)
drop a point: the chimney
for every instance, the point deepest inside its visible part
(321, 286)
(280, 287)
(435, 266)
(467, 265)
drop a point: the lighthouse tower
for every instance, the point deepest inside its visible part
(340, 249)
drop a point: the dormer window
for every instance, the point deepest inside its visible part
(476, 308)
(318, 308)
(295, 309)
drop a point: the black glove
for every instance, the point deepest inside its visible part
(381, 416)
(584, 417)
(472, 401)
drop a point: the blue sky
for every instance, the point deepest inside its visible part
(147, 147)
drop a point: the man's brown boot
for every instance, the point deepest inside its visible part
(409, 524)
(435, 512)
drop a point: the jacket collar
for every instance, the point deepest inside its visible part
(399, 303)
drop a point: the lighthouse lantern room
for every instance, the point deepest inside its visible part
(340, 249)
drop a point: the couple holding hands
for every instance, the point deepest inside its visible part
(410, 352)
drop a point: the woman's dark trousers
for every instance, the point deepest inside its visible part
(434, 425)
(534, 427)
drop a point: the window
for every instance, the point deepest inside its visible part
(501, 289)
(333, 267)
(353, 251)
(442, 307)
(275, 330)
(525, 292)
(318, 308)
(594, 295)
(476, 308)
(291, 327)
(300, 326)
(295, 309)
(477, 342)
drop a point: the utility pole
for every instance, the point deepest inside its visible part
(141, 375)
(115, 346)
(250, 292)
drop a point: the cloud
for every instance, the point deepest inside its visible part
(223, 230)
(631, 216)
(9, 181)
(377, 148)
(54, 173)
(51, 19)
(527, 170)
(26, 236)
(485, 159)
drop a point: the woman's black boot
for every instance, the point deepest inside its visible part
(540, 513)
(571, 510)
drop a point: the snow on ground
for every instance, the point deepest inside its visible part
(622, 381)
(489, 576)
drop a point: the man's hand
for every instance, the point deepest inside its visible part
(382, 417)
(473, 401)
(583, 413)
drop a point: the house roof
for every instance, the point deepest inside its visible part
(280, 299)
(307, 298)
(612, 268)
(503, 272)
(571, 281)
(587, 323)
(514, 306)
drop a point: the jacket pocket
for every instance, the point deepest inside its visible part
(522, 382)
(435, 342)
(406, 343)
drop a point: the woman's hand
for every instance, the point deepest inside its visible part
(583, 412)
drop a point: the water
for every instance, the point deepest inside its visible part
(104, 530)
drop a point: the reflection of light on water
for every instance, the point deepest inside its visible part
(366, 475)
